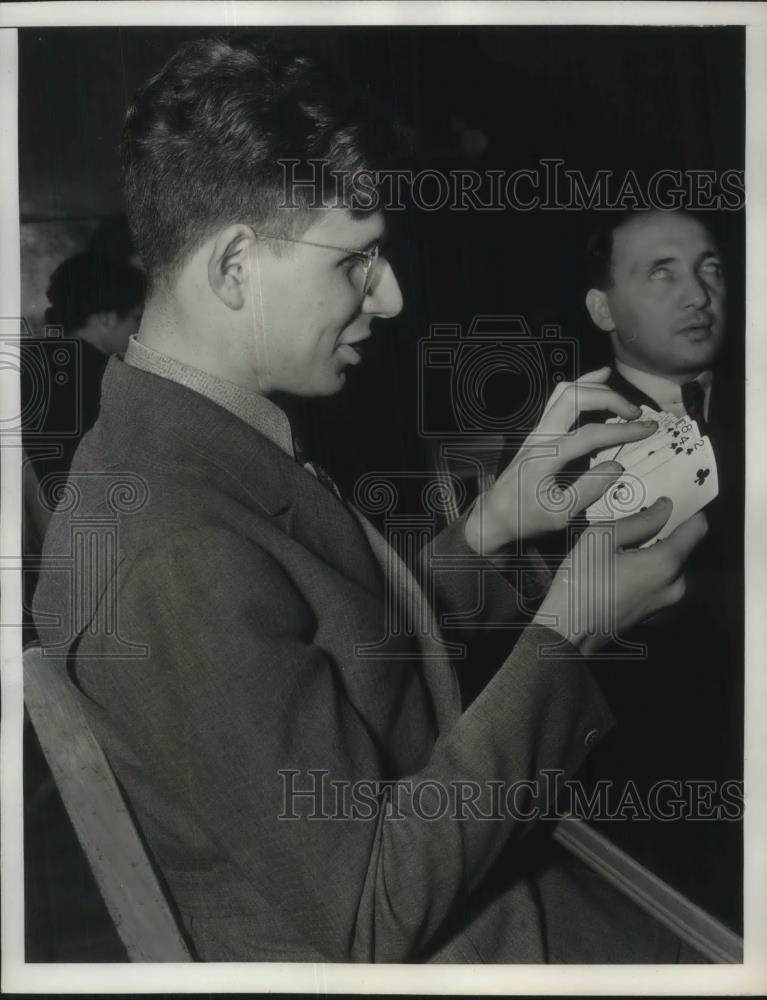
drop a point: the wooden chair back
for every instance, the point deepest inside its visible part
(104, 827)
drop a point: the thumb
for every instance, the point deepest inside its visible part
(640, 527)
(598, 375)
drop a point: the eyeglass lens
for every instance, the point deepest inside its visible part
(368, 270)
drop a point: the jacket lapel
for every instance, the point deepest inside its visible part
(436, 666)
(629, 391)
(327, 526)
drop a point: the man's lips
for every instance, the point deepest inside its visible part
(356, 342)
(703, 326)
(350, 350)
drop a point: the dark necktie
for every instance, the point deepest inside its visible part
(693, 399)
(321, 475)
(324, 477)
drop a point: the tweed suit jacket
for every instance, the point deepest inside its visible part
(218, 663)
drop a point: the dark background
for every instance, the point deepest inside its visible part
(598, 98)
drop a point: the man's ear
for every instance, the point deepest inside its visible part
(599, 309)
(229, 264)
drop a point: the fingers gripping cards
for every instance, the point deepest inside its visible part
(677, 462)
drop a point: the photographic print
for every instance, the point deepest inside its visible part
(378, 550)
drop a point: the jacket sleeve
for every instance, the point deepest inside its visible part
(483, 603)
(235, 693)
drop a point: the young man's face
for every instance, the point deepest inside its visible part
(310, 318)
(667, 299)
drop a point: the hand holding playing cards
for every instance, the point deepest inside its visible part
(677, 461)
(608, 585)
(525, 501)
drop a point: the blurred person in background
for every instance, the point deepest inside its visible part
(99, 300)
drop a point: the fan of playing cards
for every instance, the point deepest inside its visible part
(677, 462)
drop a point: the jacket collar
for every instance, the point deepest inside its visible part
(251, 407)
(147, 419)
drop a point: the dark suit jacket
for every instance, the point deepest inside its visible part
(695, 650)
(680, 711)
(244, 588)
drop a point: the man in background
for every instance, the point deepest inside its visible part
(656, 290)
(99, 300)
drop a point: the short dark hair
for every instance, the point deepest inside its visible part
(599, 246)
(87, 284)
(204, 138)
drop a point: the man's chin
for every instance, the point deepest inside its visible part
(696, 352)
(318, 390)
(332, 386)
(699, 360)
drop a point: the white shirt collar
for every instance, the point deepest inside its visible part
(259, 412)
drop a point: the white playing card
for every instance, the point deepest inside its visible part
(685, 474)
(647, 453)
(618, 452)
(689, 479)
(686, 436)
(626, 452)
(683, 437)
(676, 432)
(607, 454)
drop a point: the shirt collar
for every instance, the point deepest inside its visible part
(255, 410)
(667, 394)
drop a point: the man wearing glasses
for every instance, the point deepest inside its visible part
(286, 785)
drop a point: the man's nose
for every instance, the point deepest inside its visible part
(385, 296)
(696, 292)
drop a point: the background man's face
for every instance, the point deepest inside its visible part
(667, 298)
(310, 319)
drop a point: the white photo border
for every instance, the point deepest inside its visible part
(749, 978)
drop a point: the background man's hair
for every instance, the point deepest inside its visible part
(85, 285)
(204, 138)
(599, 245)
